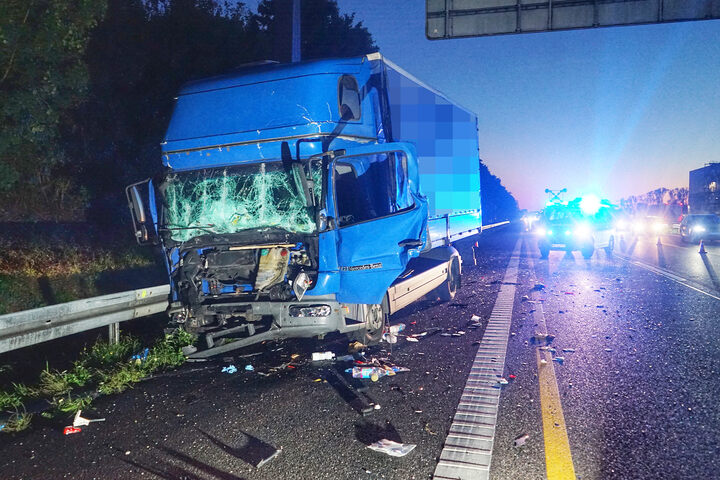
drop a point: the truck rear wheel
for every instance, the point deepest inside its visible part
(376, 317)
(449, 287)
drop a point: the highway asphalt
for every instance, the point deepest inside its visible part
(635, 397)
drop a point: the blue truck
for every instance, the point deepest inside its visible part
(307, 198)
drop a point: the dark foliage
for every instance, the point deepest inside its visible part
(497, 203)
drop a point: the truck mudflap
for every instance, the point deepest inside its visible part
(302, 319)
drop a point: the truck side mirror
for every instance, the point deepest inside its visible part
(137, 194)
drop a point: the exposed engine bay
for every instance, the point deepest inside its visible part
(216, 285)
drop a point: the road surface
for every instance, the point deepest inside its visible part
(625, 387)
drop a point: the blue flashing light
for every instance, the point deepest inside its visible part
(590, 204)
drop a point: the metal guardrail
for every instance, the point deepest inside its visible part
(29, 327)
(22, 329)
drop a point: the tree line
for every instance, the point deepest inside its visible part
(87, 88)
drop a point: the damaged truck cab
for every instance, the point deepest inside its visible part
(309, 198)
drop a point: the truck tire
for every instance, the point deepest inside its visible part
(447, 290)
(587, 251)
(376, 317)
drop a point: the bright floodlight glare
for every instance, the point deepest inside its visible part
(589, 205)
(540, 231)
(621, 225)
(658, 226)
(582, 230)
(698, 228)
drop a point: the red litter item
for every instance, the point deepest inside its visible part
(71, 430)
(512, 377)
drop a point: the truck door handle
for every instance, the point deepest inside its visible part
(410, 242)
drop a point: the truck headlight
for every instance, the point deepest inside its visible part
(310, 310)
(698, 229)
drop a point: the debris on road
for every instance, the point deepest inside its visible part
(520, 440)
(140, 357)
(538, 286)
(391, 333)
(608, 349)
(394, 449)
(524, 298)
(249, 368)
(475, 319)
(355, 347)
(229, 369)
(71, 430)
(543, 338)
(559, 360)
(80, 421)
(188, 350)
(502, 381)
(320, 356)
(411, 339)
(568, 350)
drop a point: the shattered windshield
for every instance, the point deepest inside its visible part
(233, 199)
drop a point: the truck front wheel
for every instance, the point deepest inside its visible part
(376, 317)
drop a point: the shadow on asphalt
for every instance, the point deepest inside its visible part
(198, 465)
(368, 433)
(253, 451)
(352, 392)
(711, 272)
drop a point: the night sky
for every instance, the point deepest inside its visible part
(612, 111)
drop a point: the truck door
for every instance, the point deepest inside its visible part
(381, 218)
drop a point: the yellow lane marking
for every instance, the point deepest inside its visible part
(558, 459)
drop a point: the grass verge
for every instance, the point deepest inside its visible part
(102, 369)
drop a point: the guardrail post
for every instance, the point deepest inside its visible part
(114, 333)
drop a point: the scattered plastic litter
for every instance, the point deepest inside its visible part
(475, 318)
(319, 356)
(524, 298)
(140, 357)
(543, 361)
(538, 286)
(608, 349)
(390, 334)
(79, 421)
(502, 381)
(345, 358)
(294, 356)
(559, 360)
(412, 339)
(229, 369)
(520, 440)
(446, 334)
(391, 448)
(568, 350)
(71, 430)
(543, 338)
(249, 368)
(512, 377)
(2, 426)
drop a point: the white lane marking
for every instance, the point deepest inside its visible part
(667, 274)
(467, 452)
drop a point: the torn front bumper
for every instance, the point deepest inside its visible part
(311, 317)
